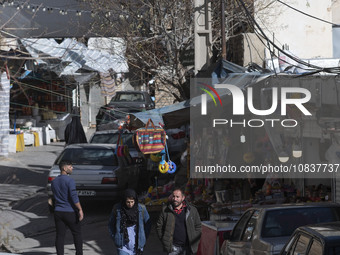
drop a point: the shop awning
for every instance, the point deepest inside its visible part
(68, 57)
(171, 116)
(175, 115)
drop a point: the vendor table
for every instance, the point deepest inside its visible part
(212, 236)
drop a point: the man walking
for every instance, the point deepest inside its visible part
(179, 226)
(68, 211)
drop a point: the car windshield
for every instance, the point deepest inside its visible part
(113, 115)
(112, 138)
(128, 97)
(89, 156)
(283, 222)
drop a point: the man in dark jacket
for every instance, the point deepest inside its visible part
(179, 226)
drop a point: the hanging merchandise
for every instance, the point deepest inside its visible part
(150, 139)
(120, 146)
(156, 157)
(172, 165)
(163, 165)
(123, 150)
(166, 167)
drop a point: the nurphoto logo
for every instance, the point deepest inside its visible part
(239, 103)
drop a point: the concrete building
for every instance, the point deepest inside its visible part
(307, 29)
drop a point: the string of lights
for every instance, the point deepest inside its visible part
(20, 5)
(34, 8)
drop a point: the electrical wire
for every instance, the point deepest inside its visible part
(259, 36)
(311, 16)
(248, 39)
(318, 68)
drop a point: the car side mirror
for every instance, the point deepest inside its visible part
(227, 235)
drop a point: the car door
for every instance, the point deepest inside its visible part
(240, 241)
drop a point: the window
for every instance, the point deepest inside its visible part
(336, 38)
(239, 228)
(283, 222)
(301, 245)
(112, 138)
(90, 156)
(248, 232)
(290, 245)
(335, 250)
(316, 248)
(131, 97)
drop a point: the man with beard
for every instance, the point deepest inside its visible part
(179, 226)
(129, 225)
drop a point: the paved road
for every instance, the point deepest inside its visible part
(27, 227)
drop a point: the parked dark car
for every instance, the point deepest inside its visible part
(97, 171)
(319, 239)
(122, 103)
(265, 230)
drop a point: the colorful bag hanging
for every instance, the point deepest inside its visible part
(150, 139)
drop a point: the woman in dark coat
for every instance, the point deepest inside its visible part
(74, 132)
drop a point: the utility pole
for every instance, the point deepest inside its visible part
(203, 34)
(224, 46)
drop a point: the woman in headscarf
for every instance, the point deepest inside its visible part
(74, 132)
(129, 225)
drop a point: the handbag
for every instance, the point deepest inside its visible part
(150, 139)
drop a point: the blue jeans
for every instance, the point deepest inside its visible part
(178, 250)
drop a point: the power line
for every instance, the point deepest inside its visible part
(311, 16)
(298, 60)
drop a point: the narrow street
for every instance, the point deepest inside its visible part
(26, 224)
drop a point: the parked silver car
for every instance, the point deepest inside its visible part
(265, 230)
(97, 171)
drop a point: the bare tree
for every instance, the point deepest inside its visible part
(157, 33)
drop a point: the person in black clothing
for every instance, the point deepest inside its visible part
(74, 132)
